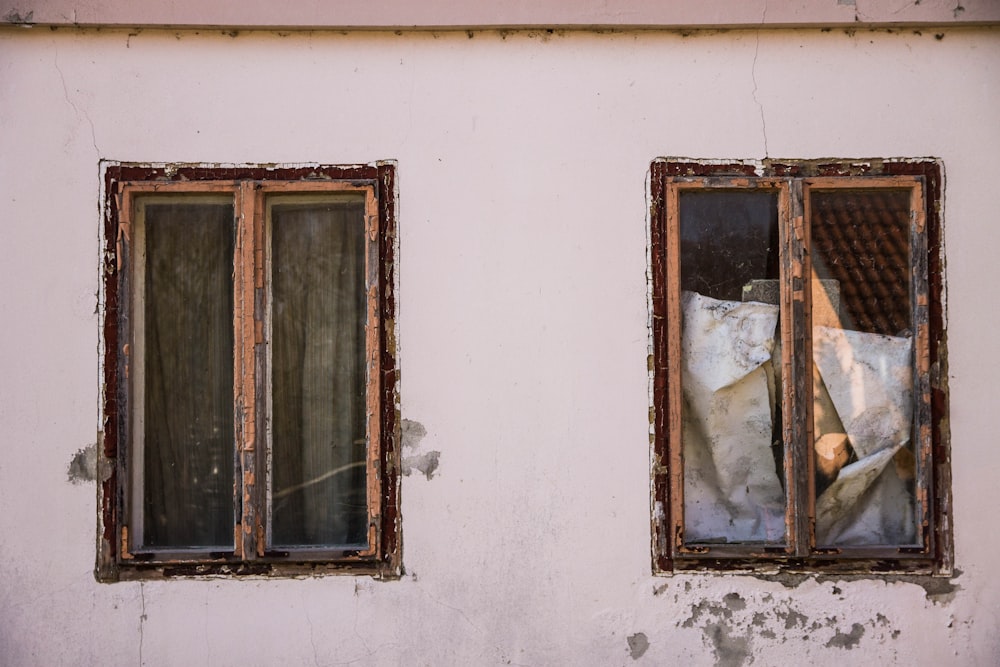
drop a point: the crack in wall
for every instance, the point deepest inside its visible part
(142, 619)
(312, 637)
(753, 76)
(368, 650)
(76, 110)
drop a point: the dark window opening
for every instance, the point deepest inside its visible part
(249, 374)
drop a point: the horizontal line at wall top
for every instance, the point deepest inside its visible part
(503, 14)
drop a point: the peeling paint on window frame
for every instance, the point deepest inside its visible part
(384, 558)
(669, 555)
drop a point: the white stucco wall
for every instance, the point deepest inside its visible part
(522, 161)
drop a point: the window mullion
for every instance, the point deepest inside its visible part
(262, 377)
(244, 374)
(796, 369)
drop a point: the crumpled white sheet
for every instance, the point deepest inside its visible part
(869, 379)
(731, 487)
(731, 490)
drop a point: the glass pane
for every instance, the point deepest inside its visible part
(730, 368)
(863, 373)
(187, 374)
(318, 492)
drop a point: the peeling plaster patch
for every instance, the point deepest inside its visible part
(703, 607)
(730, 651)
(760, 620)
(735, 601)
(733, 624)
(637, 645)
(426, 463)
(83, 466)
(884, 621)
(412, 432)
(938, 590)
(14, 16)
(792, 618)
(848, 640)
(786, 579)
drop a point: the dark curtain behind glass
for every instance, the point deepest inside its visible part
(318, 374)
(188, 375)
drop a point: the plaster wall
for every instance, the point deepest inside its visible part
(522, 161)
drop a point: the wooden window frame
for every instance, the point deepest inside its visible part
(793, 181)
(118, 557)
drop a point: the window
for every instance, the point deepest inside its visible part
(799, 394)
(249, 370)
